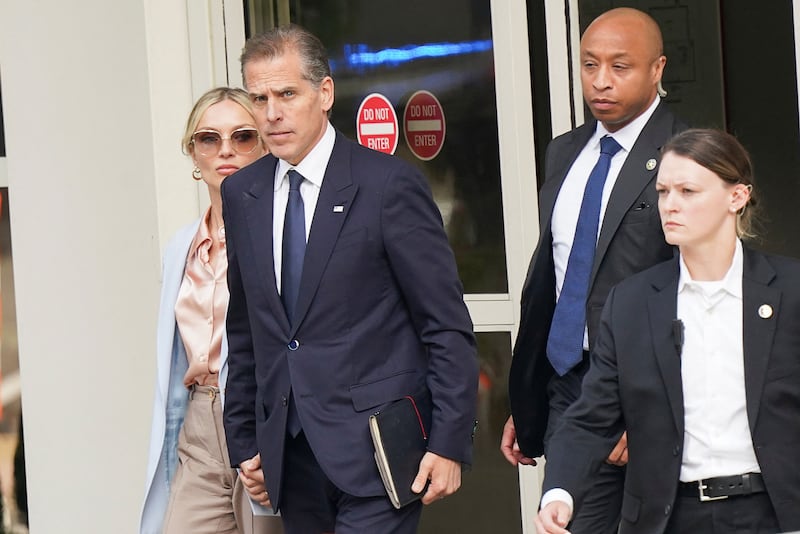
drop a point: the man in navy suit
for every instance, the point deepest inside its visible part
(376, 312)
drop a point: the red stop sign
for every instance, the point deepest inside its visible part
(376, 124)
(424, 125)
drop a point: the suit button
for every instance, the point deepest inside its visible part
(294, 345)
(667, 509)
(284, 402)
(676, 450)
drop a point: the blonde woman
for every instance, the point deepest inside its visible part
(191, 487)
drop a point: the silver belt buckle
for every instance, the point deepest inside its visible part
(706, 498)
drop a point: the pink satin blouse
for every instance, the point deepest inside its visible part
(201, 307)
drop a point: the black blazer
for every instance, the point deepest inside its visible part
(634, 383)
(380, 315)
(630, 240)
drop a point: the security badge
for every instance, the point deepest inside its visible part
(765, 311)
(651, 164)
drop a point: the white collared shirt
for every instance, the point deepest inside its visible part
(568, 203)
(717, 440)
(313, 169)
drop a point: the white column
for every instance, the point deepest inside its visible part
(95, 95)
(517, 162)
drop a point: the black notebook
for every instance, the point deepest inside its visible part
(400, 435)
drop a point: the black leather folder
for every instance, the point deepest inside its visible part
(400, 435)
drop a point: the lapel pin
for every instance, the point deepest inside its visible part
(338, 209)
(651, 164)
(765, 311)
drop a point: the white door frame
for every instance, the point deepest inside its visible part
(563, 54)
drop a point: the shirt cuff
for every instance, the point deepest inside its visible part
(557, 494)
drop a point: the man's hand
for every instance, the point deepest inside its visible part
(252, 477)
(509, 446)
(619, 456)
(444, 474)
(553, 518)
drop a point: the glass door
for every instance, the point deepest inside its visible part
(446, 86)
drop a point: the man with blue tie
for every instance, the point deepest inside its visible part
(344, 298)
(599, 224)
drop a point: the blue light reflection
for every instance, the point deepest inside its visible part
(359, 56)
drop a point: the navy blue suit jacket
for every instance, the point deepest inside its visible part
(634, 383)
(380, 315)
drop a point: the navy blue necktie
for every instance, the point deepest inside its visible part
(294, 251)
(565, 341)
(294, 245)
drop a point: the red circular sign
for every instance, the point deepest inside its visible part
(376, 124)
(424, 125)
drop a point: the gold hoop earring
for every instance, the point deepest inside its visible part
(196, 174)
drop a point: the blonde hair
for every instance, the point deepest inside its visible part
(208, 99)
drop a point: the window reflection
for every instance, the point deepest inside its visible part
(492, 484)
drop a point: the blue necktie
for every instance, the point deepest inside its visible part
(294, 250)
(294, 245)
(565, 342)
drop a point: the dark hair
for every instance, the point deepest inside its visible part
(722, 154)
(276, 41)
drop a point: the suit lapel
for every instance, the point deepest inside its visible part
(258, 204)
(663, 310)
(632, 179)
(333, 206)
(758, 332)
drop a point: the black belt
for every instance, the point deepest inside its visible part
(716, 488)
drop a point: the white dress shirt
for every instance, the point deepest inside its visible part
(313, 169)
(568, 203)
(717, 440)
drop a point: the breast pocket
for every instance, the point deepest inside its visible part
(642, 211)
(351, 238)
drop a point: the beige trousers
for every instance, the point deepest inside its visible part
(206, 495)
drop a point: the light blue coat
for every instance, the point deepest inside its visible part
(171, 396)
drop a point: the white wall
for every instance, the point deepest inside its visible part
(95, 95)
